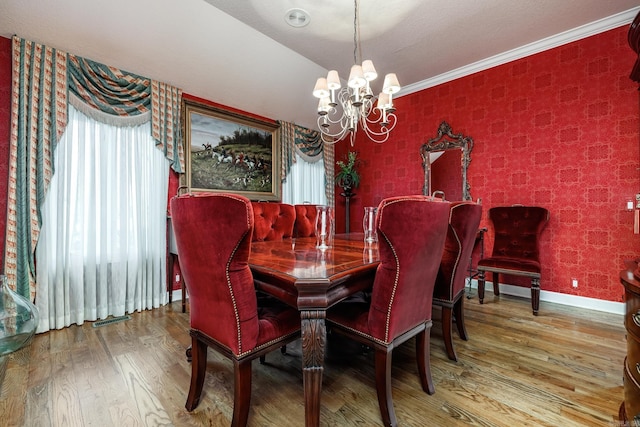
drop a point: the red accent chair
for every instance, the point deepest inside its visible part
(464, 219)
(305, 223)
(411, 236)
(516, 248)
(273, 221)
(213, 234)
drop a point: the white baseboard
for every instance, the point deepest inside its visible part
(558, 298)
(525, 292)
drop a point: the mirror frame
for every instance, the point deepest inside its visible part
(447, 140)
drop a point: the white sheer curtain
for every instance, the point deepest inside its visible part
(101, 250)
(305, 183)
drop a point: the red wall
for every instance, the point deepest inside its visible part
(559, 129)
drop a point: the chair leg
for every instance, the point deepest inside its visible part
(423, 351)
(458, 312)
(535, 295)
(241, 393)
(383, 386)
(198, 372)
(481, 286)
(496, 283)
(184, 295)
(447, 325)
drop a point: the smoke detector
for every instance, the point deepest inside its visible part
(297, 17)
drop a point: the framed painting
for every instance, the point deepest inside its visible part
(230, 152)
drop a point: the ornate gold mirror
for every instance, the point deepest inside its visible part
(445, 160)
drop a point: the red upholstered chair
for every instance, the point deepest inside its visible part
(273, 221)
(516, 248)
(464, 218)
(411, 235)
(305, 223)
(213, 234)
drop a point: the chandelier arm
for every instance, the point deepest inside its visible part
(331, 118)
(376, 137)
(338, 135)
(331, 138)
(385, 130)
(326, 130)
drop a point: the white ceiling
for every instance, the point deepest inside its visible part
(243, 54)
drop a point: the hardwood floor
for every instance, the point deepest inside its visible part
(561, 368)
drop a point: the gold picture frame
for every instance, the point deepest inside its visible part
(230, 152)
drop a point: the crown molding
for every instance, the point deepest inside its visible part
(584, 31)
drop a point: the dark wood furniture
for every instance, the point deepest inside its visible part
(630, 407)
(224, 313)
(412, 232)
(516, 248)
(476, 255)
(313, 280)
(464, 218)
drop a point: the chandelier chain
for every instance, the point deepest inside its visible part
(357, 50)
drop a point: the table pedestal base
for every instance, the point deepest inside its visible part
(314, 338)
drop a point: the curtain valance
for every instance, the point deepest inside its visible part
(306, 142)
(309, 146)
(107, 89)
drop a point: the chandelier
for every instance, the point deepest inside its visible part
(342, 109)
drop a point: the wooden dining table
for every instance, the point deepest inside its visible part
(312, 280)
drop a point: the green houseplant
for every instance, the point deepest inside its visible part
(347, 177)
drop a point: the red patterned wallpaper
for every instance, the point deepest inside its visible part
(559, 129)
(5, 123)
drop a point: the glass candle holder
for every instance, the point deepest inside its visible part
(369, 224)
(324, 226)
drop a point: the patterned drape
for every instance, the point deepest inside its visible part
(309, 145)
(44, 81)
(166, 104)
(38, 119)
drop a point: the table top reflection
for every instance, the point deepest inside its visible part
(300, 259)
(292, 268)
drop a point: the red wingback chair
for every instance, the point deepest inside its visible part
(516, 248)
(305, 223)
(411, 236)
(273, 221)
(464, 218)
(213, 235)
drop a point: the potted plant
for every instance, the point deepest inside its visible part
(347, 177)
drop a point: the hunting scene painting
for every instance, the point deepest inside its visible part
(230, 152)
